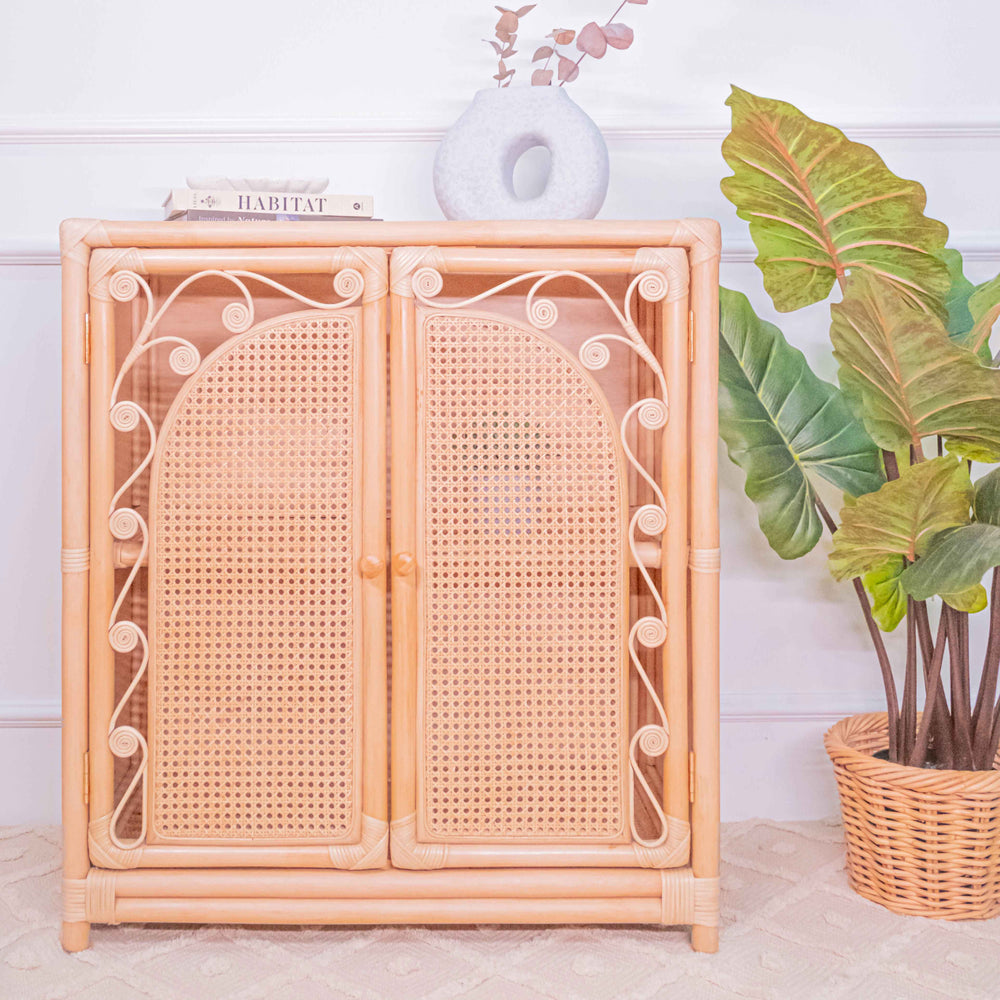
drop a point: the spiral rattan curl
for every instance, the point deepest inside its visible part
(919, 841)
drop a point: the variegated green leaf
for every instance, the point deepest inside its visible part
(902, 518)
(908, 379)
(953, 566)
(780, 423)
(986, 505)
(820, 205)
(888, 596)
(984, 306)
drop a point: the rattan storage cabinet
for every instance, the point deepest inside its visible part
(548, 539)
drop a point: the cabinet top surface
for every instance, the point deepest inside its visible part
(701, 236)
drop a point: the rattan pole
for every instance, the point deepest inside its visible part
(75, 581)
(391, 911)
(280, 260)
(375, 765)
(463, 260)
(570, 233)
(705, 571)
(391, 883)
(404, 585)
(673, 554)
(102, 660)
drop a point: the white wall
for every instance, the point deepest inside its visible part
(105, 105)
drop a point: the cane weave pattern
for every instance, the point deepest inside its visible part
(254, 649)
(523, 550)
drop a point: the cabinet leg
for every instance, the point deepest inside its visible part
(704, 938)
(76, 935)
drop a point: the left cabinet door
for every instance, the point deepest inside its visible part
(237, 604)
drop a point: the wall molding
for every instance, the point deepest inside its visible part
(743, 707)
(24, 253)
(29, 132)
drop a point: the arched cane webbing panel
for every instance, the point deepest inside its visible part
(255, 652)
(522, 671)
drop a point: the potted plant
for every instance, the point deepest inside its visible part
(903, 437)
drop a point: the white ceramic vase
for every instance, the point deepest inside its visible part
(474, 167)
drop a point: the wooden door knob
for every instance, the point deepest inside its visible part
(371, 566)
(404, 563)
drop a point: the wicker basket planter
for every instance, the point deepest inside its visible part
(919, 841)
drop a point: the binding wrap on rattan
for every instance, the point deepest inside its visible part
(75, 560)
(77, 236)
(705, 560)
(105, 263)
(406, 260)
(672, 852)
(370, 852)
(702, 236)
(101, 896)
(74, 899)
(688, 900)
(104, 853)
(408, 853)
(370, 261)
(672, 262)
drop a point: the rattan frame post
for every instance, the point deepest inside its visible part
(201, 887)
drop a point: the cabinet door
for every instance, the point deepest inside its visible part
(539, 540)
(238, 524)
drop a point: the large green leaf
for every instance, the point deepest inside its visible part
(954, 565)
(984, 307)
(986, 504)
(956, 300)
(888, 596)
(907, 377)
(820, 205)
(902, 518)
(780, 422)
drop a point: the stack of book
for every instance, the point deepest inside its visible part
(270, 206)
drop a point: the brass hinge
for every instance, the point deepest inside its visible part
(86, 338)
(691, 777)
(86, 778)
(691, 335)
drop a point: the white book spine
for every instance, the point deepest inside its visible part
(358, 206)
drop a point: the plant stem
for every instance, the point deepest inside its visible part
(982, 716)
(584, 55)
(890, 463)
(940, 723)
(961, 716)
(935, 692)
(909, 712)
(888, 682)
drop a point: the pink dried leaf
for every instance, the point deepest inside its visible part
(543, 53)
(524, 10)
(618, 36)
(561, 36)
(568, 70)
(502, 67)
(637, 1)
(507, 23)
(541, 78)
(509, 51)
(496, 47)
(503, 10)
(591, 40)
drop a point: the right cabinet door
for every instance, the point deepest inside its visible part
(539, 558)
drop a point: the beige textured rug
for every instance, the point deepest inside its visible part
(792, 929)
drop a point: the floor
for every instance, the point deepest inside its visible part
(792, 928)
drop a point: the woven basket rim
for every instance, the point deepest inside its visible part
(841, 742)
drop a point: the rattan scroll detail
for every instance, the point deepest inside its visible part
(672, 262)
(126, 523)
(370, 852)
(405, 260)
(652, 413)
(673, 851)
(920, 841)
(407, 852)
(255, 648)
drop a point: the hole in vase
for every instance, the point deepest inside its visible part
(531, 172)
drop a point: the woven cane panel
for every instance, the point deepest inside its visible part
(522, 653)
(254, 652)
